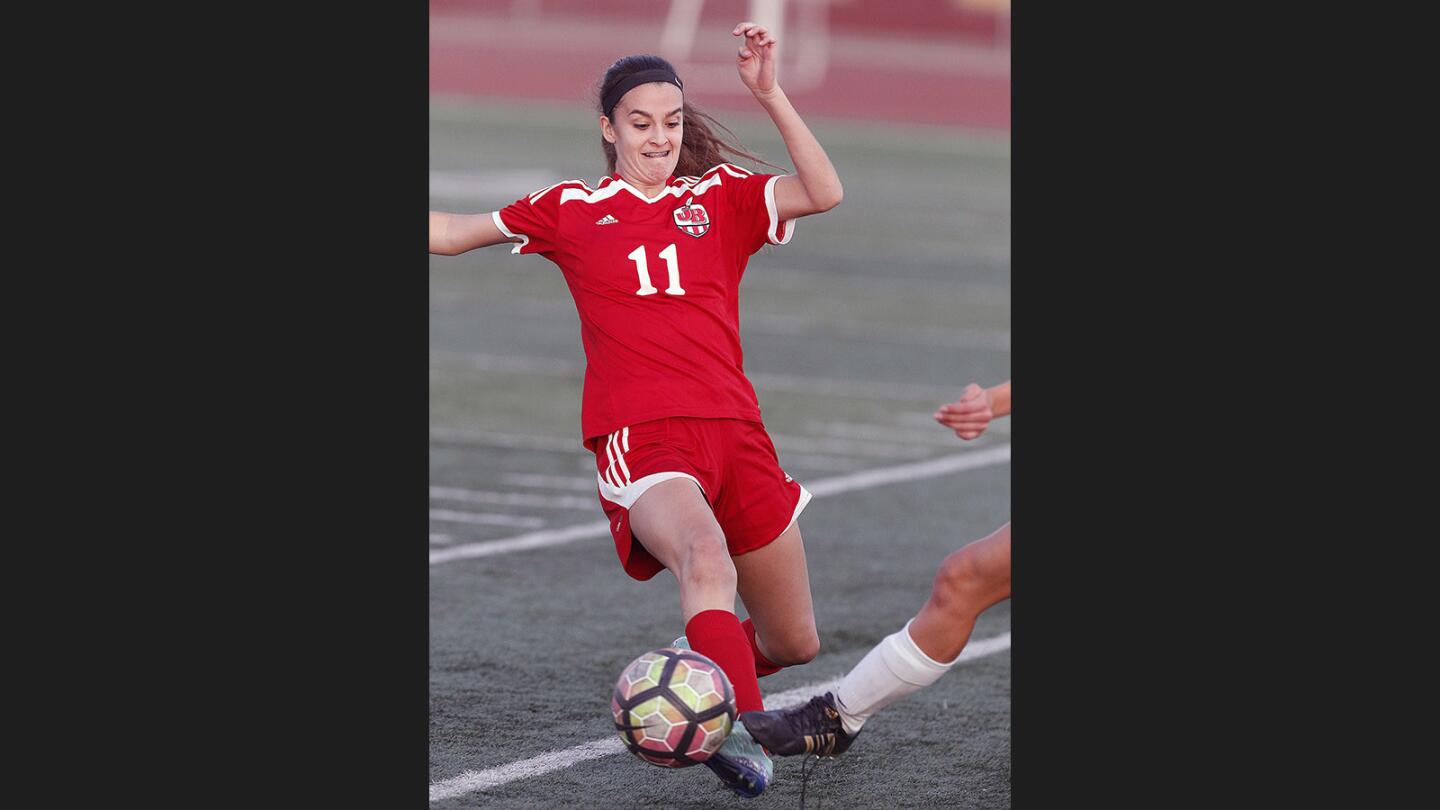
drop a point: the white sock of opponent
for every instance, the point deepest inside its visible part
(896, 667)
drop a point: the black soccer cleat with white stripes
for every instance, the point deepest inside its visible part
(813, 728)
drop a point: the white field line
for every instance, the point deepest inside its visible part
(819, 461)
(473, 781)
(529, 499)
(485, 519)
(549, 537)
(825, 487)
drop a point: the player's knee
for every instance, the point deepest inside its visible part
(707, 561)
(800, 648)
(960, 582)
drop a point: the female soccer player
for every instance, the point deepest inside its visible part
(653, 256)
(969, 581)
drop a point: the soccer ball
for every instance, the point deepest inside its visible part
(673, 707)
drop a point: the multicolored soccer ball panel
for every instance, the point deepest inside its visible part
(673, 707)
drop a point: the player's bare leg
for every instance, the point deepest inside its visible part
(969, 581)
(674, 523)
(775, 586)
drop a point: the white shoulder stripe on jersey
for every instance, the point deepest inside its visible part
(775, 223)
(500, 223)
(535, 197)
(589, 196)
(704, 185)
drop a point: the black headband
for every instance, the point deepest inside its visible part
(628, 83)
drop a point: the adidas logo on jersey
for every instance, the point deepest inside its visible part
(606, 220)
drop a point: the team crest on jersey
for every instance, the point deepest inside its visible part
(692, 219)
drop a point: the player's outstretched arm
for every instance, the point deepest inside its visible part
(815, 187)
(999, 398)
(453, 234)
(971, 414)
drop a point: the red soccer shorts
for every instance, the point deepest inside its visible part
(732, 460)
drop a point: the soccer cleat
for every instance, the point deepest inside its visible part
(742, 764)
(814, 728)
(681, 642)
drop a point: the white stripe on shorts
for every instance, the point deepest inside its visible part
(610, 454)
(620, 457)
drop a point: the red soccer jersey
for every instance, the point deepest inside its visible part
(656, 284)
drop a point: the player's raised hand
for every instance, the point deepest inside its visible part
(756, 59)
(969, 415)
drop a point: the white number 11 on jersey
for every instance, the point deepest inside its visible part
(642, 268)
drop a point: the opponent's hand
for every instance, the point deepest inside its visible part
(969, 415)
(756, 59)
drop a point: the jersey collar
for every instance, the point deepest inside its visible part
(670, 189)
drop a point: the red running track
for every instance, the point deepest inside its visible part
(567, 71)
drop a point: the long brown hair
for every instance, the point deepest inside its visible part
(700, 147)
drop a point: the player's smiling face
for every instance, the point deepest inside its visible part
(646, 130)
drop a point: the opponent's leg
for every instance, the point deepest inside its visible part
(969, 581)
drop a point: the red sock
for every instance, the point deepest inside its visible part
(763, 666)
(717, 635)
